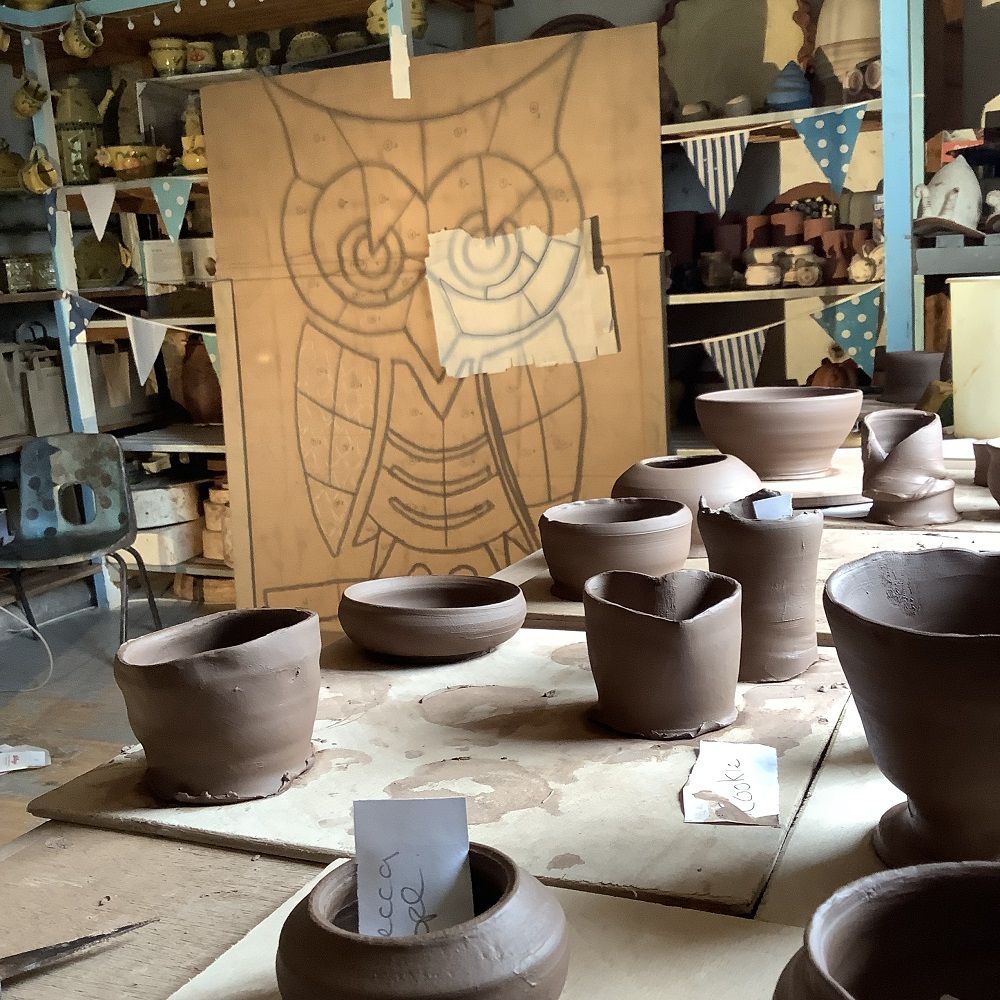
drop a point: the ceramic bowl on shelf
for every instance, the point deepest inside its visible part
(307, 45)
(131, 163)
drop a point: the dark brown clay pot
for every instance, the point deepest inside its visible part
(781, 433)
(202, 393)
(516, 948)
(993, 470)
(813, 230)
(224, 705)
(588, 537)
(918, 635)
(910, 934)
(664, 651)
(758, 231)
(776, 563)
(981, 449)
(837, 250)
(679, 236)
(787, 228)
(904, 469)
(729, 240)
(908, 373)
(431, 618)
(717, 478)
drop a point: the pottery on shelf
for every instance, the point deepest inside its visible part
(758, 231)
(728, 239)
(776, 563)
(848, 32)
(993, 468)
(782, 432)
(199, 57)
(131, 163)
(716, 270)
(786, 228)
(516, 946)
(790, 90)
(679, 229)
(431, 618)
(898, 935)
(951, 203)
(640, 535)
(224, 705)
(307, 45)
(664, 651)
(813, 230)
(908, 374)
(168, 55)
(918, 636)
(11, 164)
(202, 392)
(984, 456)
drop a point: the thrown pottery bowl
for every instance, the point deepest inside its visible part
(915, 933)
(224, 705)
(918, 635)
(781, 433)
(431, 618)
(907, 375)
(641, 535)
(664, 651)
(515, 948)
(717, 478)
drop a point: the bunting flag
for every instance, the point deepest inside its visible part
(99, 198)
(717, 160)
(147, 339)
(212, 346)
(831, 139)
(853, 326)
(172, 194)
(81, 312)
(51, 219)
(738, 358)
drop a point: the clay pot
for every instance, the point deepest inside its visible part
(993, 472)
(758, 231)
(981, 449)
(813, 230)
(431, 618)
(679, 230)
(904, 469)
(729, 240)
(664, 651)
(717, 478)
(918, 635)
(202, 393)
(782, 432)
(588, 537)
(787, 228)
(776, 563)
(899, 935)
(516, 947)
(908, 373)
(838, 253)
(224, 705)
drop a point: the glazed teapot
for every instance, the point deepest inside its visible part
(954, 195)
(79, 127)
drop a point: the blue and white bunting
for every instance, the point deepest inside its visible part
(212, 346)
(831, 138)
(172, 194)
(147, 339)
(81, 312)
(99, 199)
(51, 219)
(853, 326)
(737, 359)
(717, 160)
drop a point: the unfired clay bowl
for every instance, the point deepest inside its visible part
(912, 934)
(781, 433)
(641, 535)
(432, 618)
(516, 948)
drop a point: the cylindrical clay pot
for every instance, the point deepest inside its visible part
(983, 454)
(224, 705)
(927, 932)
(908, 373)
(516, 948)
(776, 563)
(664, 651)
(918, 635)
(992, 468)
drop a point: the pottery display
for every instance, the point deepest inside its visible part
(718, 478)
(168, 55)
(918, 636)
(848, 32)
(81, 37)
(224, 705)
(132, 163)
(10, 168)
(79, 129)
(202, 393)
(790, 90)
(786, 228)
(766, 255)
(199, 57)
(39, 173)
(640, 535)
(984, 456)
(194, 158)
(235, 58)
(348, 41)
(935, 932)
(431, 618)
(992, 469)
(738, 107)
(100, 263)
(263, 56)
(728, 239)
(904, 472)
(515, 948)
(764, 276)
(908, 374)
(782, 432)
(838, 253)
(29, 97)
(758, 231)
(664, 651)
(679, 229)
(776, 563)
(716, 270)
(813, 230)
(951, 203)
(807, 271)
(307, 45)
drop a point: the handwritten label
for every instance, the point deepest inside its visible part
(773, 508)
(733, 783)
(413, 866)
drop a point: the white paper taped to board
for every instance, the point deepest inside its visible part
(733, 783)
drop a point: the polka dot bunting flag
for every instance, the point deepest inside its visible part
(81, 312)
(50, 216)
(853, 326)
(831, 139)
(172, 194)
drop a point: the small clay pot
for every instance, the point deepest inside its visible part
(515, 948)
(679, 230)
(838, 253)
(787, 228)
(993, 470)
(717, 478)
(904, 472)
(776, 563)
(664, 651)
(813, 230)
(907, 375)
(901, 935)
(588, 537)
(758, 231)
(224, 705)
(729, 240)
(918, 636)
(981, 449)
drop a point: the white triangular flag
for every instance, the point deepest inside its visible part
(147, 339)
(99, 199)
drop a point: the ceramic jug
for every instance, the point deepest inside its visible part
(954, 195)
(82, 38)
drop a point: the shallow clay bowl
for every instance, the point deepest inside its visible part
(432, 618)
(781, 433)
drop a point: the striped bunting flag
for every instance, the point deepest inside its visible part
(738, 359)
(717, 160)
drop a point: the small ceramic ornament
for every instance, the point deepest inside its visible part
(790, 91)
(952, 202)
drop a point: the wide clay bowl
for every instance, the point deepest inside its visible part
(641, 535)
(432, 618)
(515, 948)
(911, 934)
(918, 635)
(781, 433)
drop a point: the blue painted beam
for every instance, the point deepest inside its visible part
(29, 19)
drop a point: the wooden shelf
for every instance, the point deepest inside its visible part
(199, 566)
(197, 81)
(16, 298)
(769, 294)
(206, 439)
(957, 261)
(136, 197)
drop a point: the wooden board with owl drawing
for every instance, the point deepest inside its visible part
(352, 453)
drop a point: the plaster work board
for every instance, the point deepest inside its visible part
(510, 732)
(618, 948)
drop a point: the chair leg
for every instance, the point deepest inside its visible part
(144, 577)
(123, 587)
(22, 599)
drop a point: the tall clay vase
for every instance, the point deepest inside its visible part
(904, 469)
(224, 705)
(918, 635)
(776, 563)
(516, 948)
(664, 651)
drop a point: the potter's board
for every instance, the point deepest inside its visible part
(575, 803)
(618, 948)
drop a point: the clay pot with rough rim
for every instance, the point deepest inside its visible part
(813, 230)
(907, 375)
(983, 455)
(787, 228)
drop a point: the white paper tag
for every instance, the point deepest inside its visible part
(399, 64)
(773, 508)
(22, 757)
(413, 866)
(733, 783)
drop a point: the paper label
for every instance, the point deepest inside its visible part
(773, 508)
(733, 783)
(21, 758)
(413, 866)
